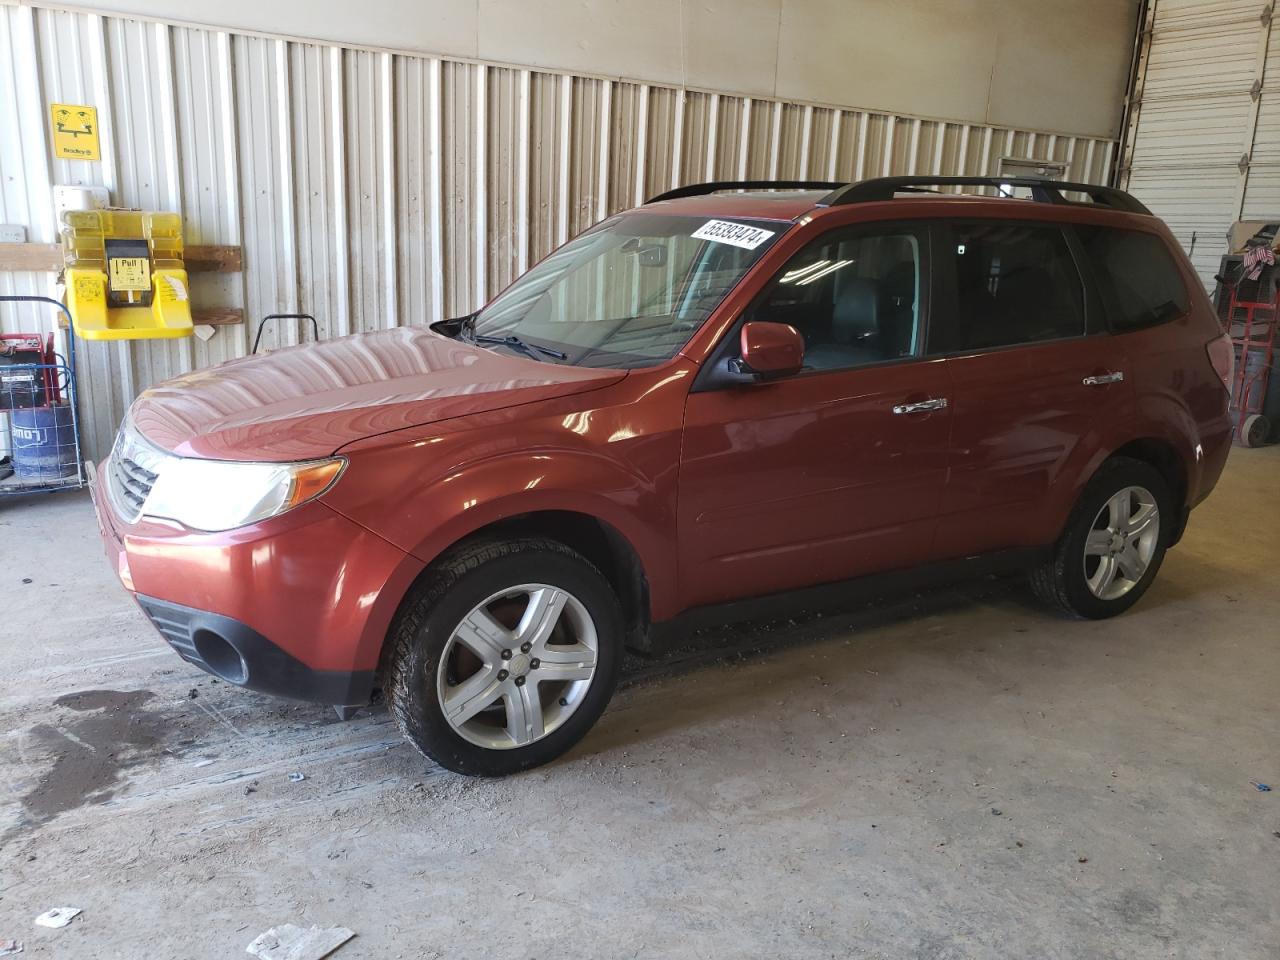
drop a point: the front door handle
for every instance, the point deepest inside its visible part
(923, 406)
(1103, 378)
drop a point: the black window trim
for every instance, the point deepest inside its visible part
(714, 374)
(1095, 320)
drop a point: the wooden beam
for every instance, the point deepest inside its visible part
(35, 257)
(217, 316)
(212, 259)
(47, 258)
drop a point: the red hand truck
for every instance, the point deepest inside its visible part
(1251, 325)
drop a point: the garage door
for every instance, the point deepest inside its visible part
(1201, 149)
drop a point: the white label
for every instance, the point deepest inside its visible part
(737, 234)
(178, 288)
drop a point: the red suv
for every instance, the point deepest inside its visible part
(737, 392)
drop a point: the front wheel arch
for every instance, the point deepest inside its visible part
(602, 544)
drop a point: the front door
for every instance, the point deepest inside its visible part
(838, 470)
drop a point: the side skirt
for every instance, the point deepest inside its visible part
(664, 635)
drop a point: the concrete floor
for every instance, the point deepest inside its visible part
(957, 776)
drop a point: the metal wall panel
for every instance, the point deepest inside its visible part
(374, 189)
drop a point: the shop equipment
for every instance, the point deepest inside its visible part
(315, 327)
(126, 279)
(1251, 325)
(27, 363)
(38, 396)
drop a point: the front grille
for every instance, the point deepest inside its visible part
(135, 465)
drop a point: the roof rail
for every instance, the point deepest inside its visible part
(1042, 189)
(700, 189)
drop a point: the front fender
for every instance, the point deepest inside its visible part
(500, 489)
(565, 480)
(616, 461)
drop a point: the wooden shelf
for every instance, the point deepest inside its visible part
(216, 316)
(47, 258)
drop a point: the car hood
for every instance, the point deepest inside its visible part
(308, 401)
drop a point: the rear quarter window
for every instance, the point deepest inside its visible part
(1136, 275)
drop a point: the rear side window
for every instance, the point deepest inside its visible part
(1015, 283)
(1137, 277)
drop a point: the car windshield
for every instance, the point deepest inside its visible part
(627, 293)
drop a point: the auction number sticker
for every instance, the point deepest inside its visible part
(737, 234)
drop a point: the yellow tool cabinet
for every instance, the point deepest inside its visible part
(125, 276)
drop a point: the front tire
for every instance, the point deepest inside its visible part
(1114, 543)
(504, 656)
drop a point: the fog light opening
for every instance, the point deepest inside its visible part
(222, 659)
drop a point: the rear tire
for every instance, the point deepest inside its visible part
(1114, 542)
(504, 656)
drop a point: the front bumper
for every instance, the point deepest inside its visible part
(238, 654)
(297, 606)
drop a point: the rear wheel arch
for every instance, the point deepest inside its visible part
(1133, 541)
(1164, 456)
(1158, 452)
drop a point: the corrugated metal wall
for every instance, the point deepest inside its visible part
(374, 189)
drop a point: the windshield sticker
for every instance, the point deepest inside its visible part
(738, 234)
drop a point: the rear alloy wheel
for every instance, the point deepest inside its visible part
(504, 656)
(1114, 542)
(1121, 543)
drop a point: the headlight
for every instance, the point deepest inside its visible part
(221, 494)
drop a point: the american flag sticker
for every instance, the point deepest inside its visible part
(737, 234)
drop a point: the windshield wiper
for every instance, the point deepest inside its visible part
(515, 343)
(464, 328)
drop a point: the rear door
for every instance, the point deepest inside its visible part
(1031, 370)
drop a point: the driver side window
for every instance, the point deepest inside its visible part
(854, 294)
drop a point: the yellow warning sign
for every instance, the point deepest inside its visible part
(128, 274)
(75, 131)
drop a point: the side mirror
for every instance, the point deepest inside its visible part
(770, 350)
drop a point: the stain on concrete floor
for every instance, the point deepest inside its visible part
(96, 737)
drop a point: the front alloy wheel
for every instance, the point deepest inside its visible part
(503, 655)
(517, 666)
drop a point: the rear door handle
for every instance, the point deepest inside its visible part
(1103, 378)
(937, 403)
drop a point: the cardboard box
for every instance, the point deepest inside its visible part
(1242, 231)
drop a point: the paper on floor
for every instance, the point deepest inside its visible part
(57, 917)
(289, 942)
